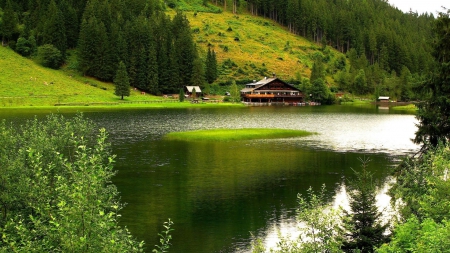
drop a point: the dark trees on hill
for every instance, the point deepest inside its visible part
(157, 51)
(383, 33)
(54, 30)
(8, 26)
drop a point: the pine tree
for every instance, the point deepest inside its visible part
(71, 23)
(211, 66)
(121, 81)
(181, 95)
(152, 69)
(198, 73)
(88, 45)
(366, 232)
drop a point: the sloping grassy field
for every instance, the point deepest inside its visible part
(25, 83)
(250, 47)
(255, 46)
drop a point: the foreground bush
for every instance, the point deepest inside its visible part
(56, 193)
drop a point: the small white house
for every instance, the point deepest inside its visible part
(383, 99)
(188, 90)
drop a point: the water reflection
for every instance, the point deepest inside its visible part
(287, 227)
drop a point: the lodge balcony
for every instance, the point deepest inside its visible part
(281, 97)
(272, 95)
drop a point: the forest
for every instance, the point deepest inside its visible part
(386, 51)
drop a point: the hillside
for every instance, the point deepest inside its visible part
(247, 48)
(25, 83)
(251, 47)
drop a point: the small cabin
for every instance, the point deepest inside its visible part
(383, 99)
(189, 90)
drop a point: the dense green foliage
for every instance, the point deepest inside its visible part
(49, 56)
(434, 110)
(56, 192)
(421, 191)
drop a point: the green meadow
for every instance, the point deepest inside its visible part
(235, 134)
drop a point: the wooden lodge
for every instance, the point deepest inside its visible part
(271, 90)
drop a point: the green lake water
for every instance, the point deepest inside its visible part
(218, 193)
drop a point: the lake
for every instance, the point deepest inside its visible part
(220, 193)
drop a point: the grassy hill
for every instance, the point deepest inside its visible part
(25, 83)
(250, 47)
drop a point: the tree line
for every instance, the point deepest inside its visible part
(157, 50)
(374, 28)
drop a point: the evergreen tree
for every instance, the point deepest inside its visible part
(434, 110)
(198, 73)
(71, 23)
(152, 69)
(366, 232)
(181, 95)
(87, 45)
(318, 69)
(211, 66)
(122, 82)
(184, 49)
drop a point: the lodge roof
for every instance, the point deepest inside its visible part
(263, 82)
(196, 88)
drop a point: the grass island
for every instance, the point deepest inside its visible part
(235, 134)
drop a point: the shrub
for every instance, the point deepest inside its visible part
(57, 194)
(49, 56)
(23, 47)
